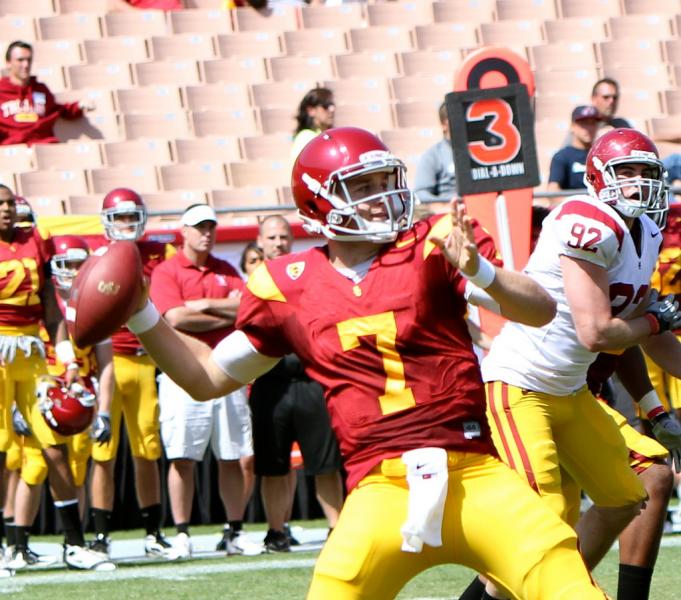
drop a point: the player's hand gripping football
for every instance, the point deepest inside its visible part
(665, 310)
(459, 247)
(668, 432)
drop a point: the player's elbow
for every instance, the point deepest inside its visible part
(543, 312)
(593, 338)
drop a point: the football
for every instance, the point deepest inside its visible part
(106, 291)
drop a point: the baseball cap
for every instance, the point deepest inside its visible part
(197, 214)
(585, 112)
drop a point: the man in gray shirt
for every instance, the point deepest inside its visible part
(435, 177)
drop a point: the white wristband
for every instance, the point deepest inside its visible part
(650, 404)
(144, 319)
(485, 275)
(64, 352)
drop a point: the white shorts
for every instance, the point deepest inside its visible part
(187, 425)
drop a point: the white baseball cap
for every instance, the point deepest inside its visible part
(197, 214)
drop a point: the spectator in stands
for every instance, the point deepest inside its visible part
(435, 177)
(605, 96)
(288, 406)
(251, 257)
(199, 294)
(121, 5)
(569, 163)
(316, 113)
(29, 109)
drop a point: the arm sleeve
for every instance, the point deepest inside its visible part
(237, 357)
(260, 321)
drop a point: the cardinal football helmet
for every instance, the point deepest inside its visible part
(67, 410)
(626, 146)
(120, 202)
(319, 182)
(70, 253)
(24, 210)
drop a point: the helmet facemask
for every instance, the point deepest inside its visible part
(119, 230)
(65, 267)
(651, 190)
(658, 213)
(345, 221)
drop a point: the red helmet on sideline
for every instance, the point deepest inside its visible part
(70, 252)
(626, 146)
(319, 185)
(66, 410)
(120, 202)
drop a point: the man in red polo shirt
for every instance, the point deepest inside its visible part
(199, 295)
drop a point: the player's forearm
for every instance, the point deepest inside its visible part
(665, 351)
(521, 299)
(224, 307)
(607, 334)
(632, 372)
(186, 319)
(106, 388)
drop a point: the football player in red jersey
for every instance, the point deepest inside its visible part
(124, 217)
(377, 316)
(27, 297)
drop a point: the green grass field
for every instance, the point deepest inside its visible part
(273, 577)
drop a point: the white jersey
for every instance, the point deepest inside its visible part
(551, 359)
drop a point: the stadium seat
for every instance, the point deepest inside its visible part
(182, 46)
(107, 76)
(47, 206)
(515, 33)
(167, 72)
(285, 194)
(51, 75)
(283, 94)
(250, 44)
(425, 62)
(454, 11)
(590, 8)
(98, 7)
(525, 9)
(373, 117)
(84, 153)
(102, 99)
(128, 153)
(279, 18)
(366, 65)
(666, 129)
(415, 12)
(568, 81)
(558, 107)
(156, 125)
(446, 36)
(360, 90)
(93, 126)
(148, 99)
(200, 21)
(563, 55)
(410, 140)
(418, 113)
(136, 22)
(317, 67)
(672, 51)
(45, 183)
(619, 53)
(577, 29)
(259, 173)
(71, 26)
(194, 175)
(217, 96)
(56, 53)
(653, 77)
(255, 196)
(649, 27)
(33, 8)
(421, 87)
(239, 121)
(639, 104)
(389, 38)
(122, 48)
(205, 4)
(236, 69)
(141, 178)
(277, 120)
(18, 157)
(83, 204)
(175, 201)
(670, 98)
(310, 41)
(16, 27)
(274, 146)
(651, 7)
(327, 17)
(209, 148)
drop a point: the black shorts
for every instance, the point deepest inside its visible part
(291, 410)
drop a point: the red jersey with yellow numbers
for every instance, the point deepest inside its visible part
(667, 275)
(23, 263)
(178, 279)
(153, 254)
(392, 352)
